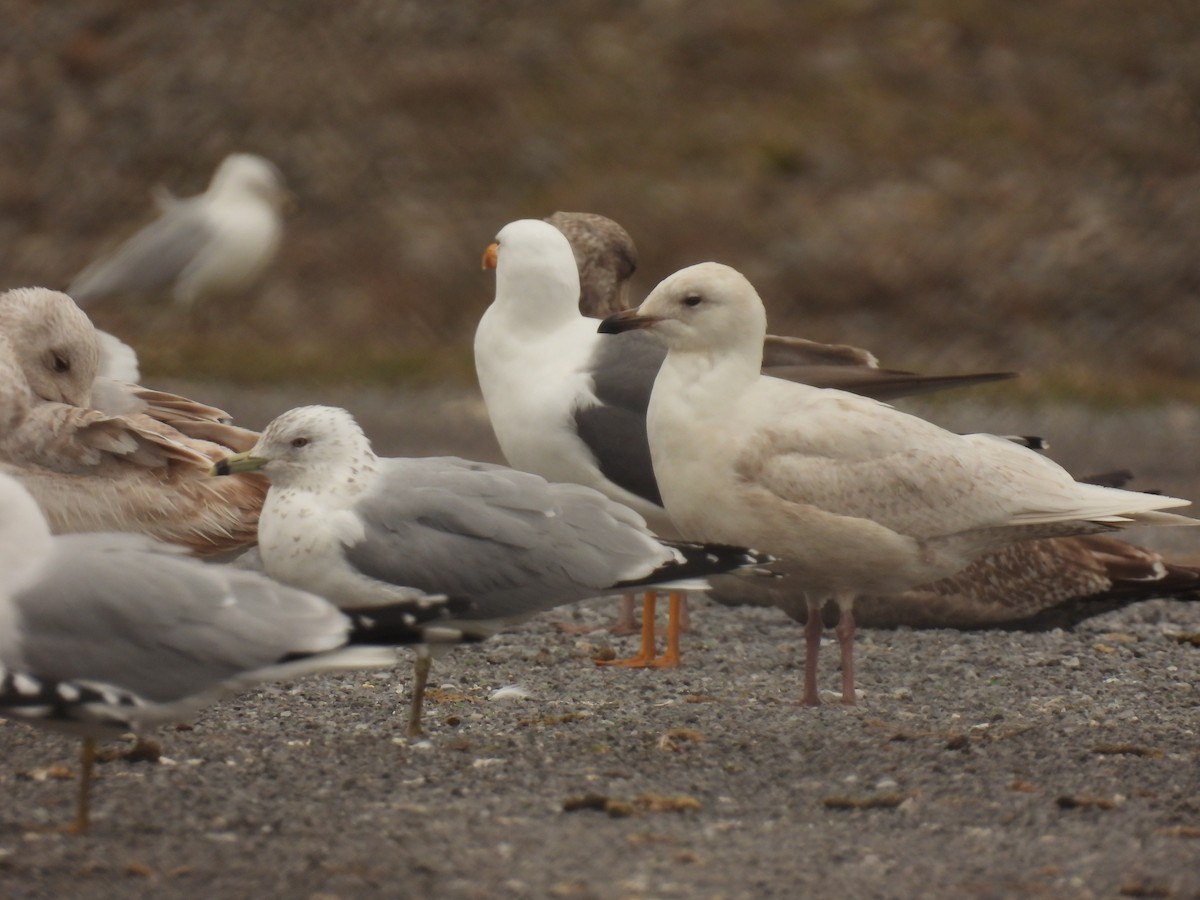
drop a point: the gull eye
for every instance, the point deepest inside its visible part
(60, 363)
(692, 300)
(300, 442)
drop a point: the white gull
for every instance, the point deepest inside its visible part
(853, 495)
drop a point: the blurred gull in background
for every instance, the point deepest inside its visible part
(214, 243)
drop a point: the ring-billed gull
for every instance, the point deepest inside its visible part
(216, 242)
(143, 468)
(108, 633)
(356, 528)
(569, 404)
(853, 495)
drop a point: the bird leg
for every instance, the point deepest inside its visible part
(645, 656)
(685, 614)
(421, 669)
(845, 635)
(676, 605)
(813, 628)
(87, 762)
(626, 623)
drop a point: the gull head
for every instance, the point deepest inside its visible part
(310, 446)
(245, 173)
(707, 308)
(54, 344)
(535, 268)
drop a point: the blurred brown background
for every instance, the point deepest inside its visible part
(953, 183)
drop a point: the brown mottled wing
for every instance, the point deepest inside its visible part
(606, 257)
(93, 472)
(1035, 585)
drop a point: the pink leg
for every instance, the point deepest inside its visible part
(812, 648)
(845, 636)
(626, 623)
(685, 614)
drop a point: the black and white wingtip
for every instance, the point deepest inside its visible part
(407, 622)
(696, 562)
(25, 696)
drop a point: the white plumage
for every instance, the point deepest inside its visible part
(853, 495)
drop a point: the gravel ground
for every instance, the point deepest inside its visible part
(977, 764)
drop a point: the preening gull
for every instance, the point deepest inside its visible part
(214, 243)
(569, 404)
(142, 467)
(502, 544)
(108, 633)
(853, 495)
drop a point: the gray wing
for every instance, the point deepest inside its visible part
(509, 542)
(126, 612)
(151, 260)
(623, 372)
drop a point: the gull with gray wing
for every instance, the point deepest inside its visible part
(359, 529)
(569, 404)
(214, 243)
(101, 634)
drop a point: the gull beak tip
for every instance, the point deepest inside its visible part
(626, 320)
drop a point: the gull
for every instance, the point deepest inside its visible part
(606, 258)
(357, 529)
(214, 243)
(141, 467)
(569, 404)
(854, 496)
(1034, 585)
(109, 633)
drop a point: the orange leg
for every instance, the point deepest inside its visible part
(645, 656)
(675, 605)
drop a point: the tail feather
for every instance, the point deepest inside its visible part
(697, 562)
(403, 623)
